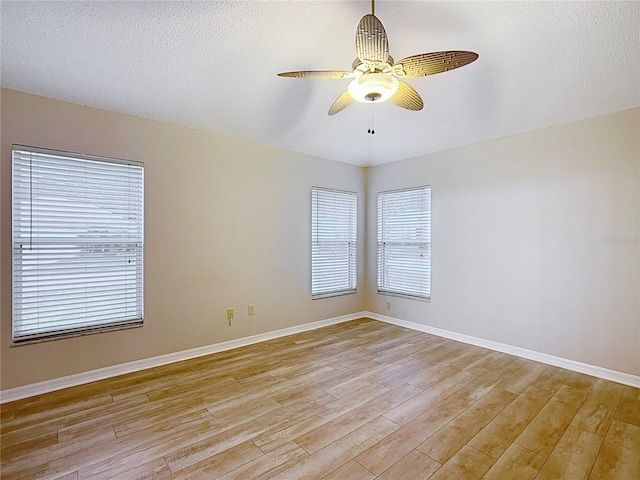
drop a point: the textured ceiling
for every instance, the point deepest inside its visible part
(212, 66)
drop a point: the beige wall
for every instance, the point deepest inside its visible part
(535, 240)
(519, 229)
(227, 225)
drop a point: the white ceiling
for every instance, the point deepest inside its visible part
(212, 66)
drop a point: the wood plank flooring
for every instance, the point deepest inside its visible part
(358, 400)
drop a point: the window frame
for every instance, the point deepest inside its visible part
(22, 335)
(382, 285)
(351, 245)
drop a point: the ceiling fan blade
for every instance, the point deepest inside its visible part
(407, 97)
(372, 45)
(432, 63)
(341, 103)
(327, 74)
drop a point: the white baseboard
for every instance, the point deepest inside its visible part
(26, 391)
(593, 370)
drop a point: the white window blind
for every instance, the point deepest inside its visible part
(77, 244)
(333, 242)
(404, 242)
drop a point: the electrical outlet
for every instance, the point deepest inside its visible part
(229, 315)
(251, 311)
(388, 305)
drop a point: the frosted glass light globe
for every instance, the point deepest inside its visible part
(373, 87)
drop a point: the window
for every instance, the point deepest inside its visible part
(404, 243)
(77, 244)
(333, 242)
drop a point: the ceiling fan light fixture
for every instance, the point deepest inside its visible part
(373, 87)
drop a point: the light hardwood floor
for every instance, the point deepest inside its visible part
(358, 400)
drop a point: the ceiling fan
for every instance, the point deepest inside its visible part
(375, 74)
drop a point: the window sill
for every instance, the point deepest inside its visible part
(333, 294)
(65, 335)
(403, 295)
